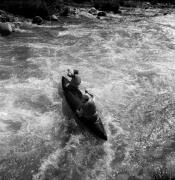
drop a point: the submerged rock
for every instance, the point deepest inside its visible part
(5, 29)
(53, 18)
(165, 13)
(37, 20)
(74, 11)
(87, 15)
(101, 13)
(93, 11)
(65, 11)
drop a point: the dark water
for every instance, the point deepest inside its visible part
(129, 67)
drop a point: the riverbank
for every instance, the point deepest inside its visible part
(87, 11)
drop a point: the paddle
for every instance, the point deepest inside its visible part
(89, 93)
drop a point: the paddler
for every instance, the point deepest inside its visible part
(76, 80)
(88, 108)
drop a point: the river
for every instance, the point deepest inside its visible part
(127, 62)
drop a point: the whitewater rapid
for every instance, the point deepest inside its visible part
(128, 66)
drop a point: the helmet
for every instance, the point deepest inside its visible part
(76, 71)
(76, 80)
(85, 98)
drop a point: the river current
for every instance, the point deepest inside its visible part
(126, 62)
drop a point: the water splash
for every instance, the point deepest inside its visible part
(128, 67)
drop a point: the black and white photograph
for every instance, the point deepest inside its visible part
(87, 89)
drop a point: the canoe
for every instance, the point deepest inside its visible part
(74, 100)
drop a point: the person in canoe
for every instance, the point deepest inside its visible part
(88, 108)
(74, 82)
(83, 109)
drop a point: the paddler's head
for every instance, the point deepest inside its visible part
(76, 80)
(85, 98)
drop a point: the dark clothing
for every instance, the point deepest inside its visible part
(75, 90)
(88, 110)
(93, 118)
